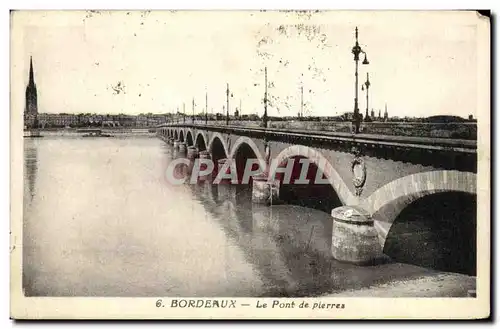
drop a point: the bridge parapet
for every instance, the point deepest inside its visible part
(445, 153)
(456, 130)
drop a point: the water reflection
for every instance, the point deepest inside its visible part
(30, 168)
(30, 180)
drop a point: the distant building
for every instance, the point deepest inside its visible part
(347, 116)
(58, 120)
(444, 119)
(31, 103)
(386, 114)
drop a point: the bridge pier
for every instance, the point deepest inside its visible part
(354, 237)
(265, 191)
(220, 165)
(176, 144)
(204, 155)
(182, 147)
(192, 152)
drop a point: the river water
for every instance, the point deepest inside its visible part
(100, 219)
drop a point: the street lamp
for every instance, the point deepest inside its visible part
(264, 117)
(193, 111)
(301, 113)
(356, 50)
(227, 104)
(367, 85)
(239, 110)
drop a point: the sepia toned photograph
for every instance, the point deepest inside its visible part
(249, 164)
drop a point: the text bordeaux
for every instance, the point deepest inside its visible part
(202, 303)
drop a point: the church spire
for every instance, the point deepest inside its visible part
(31, 106)
(32, 78)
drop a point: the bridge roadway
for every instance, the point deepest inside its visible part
(458, 145)
(373, 179)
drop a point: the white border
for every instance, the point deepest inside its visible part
(148, 4)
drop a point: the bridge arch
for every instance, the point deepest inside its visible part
(217, 140)
(435, 209)
(189, 137)
(201, 141)
(181, 135)
(300, 151)
(388, 201)
(244, 149)
(241, 142)
(176, 135)
(218, 150)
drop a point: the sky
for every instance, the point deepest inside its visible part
(421, 63)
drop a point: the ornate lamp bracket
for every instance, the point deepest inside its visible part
(358, 169)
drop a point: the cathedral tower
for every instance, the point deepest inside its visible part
(31, 105)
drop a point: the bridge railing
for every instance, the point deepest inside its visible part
(459, 130)
(393, 142)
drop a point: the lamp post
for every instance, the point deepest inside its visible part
(227, 104)
(301, 114)
(206, 107)
(356, 50)
(264, 117)
(193, 110)
(367, 86)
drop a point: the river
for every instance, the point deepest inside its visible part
(100, 219)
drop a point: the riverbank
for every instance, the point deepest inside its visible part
(115, 132)
(428, 285)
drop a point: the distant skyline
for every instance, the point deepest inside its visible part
(421, 63)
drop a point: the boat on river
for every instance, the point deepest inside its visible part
(94, 133)
(32, 133)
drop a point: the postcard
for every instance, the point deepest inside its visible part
(265, 164)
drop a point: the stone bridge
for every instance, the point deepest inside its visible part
(372, 182)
